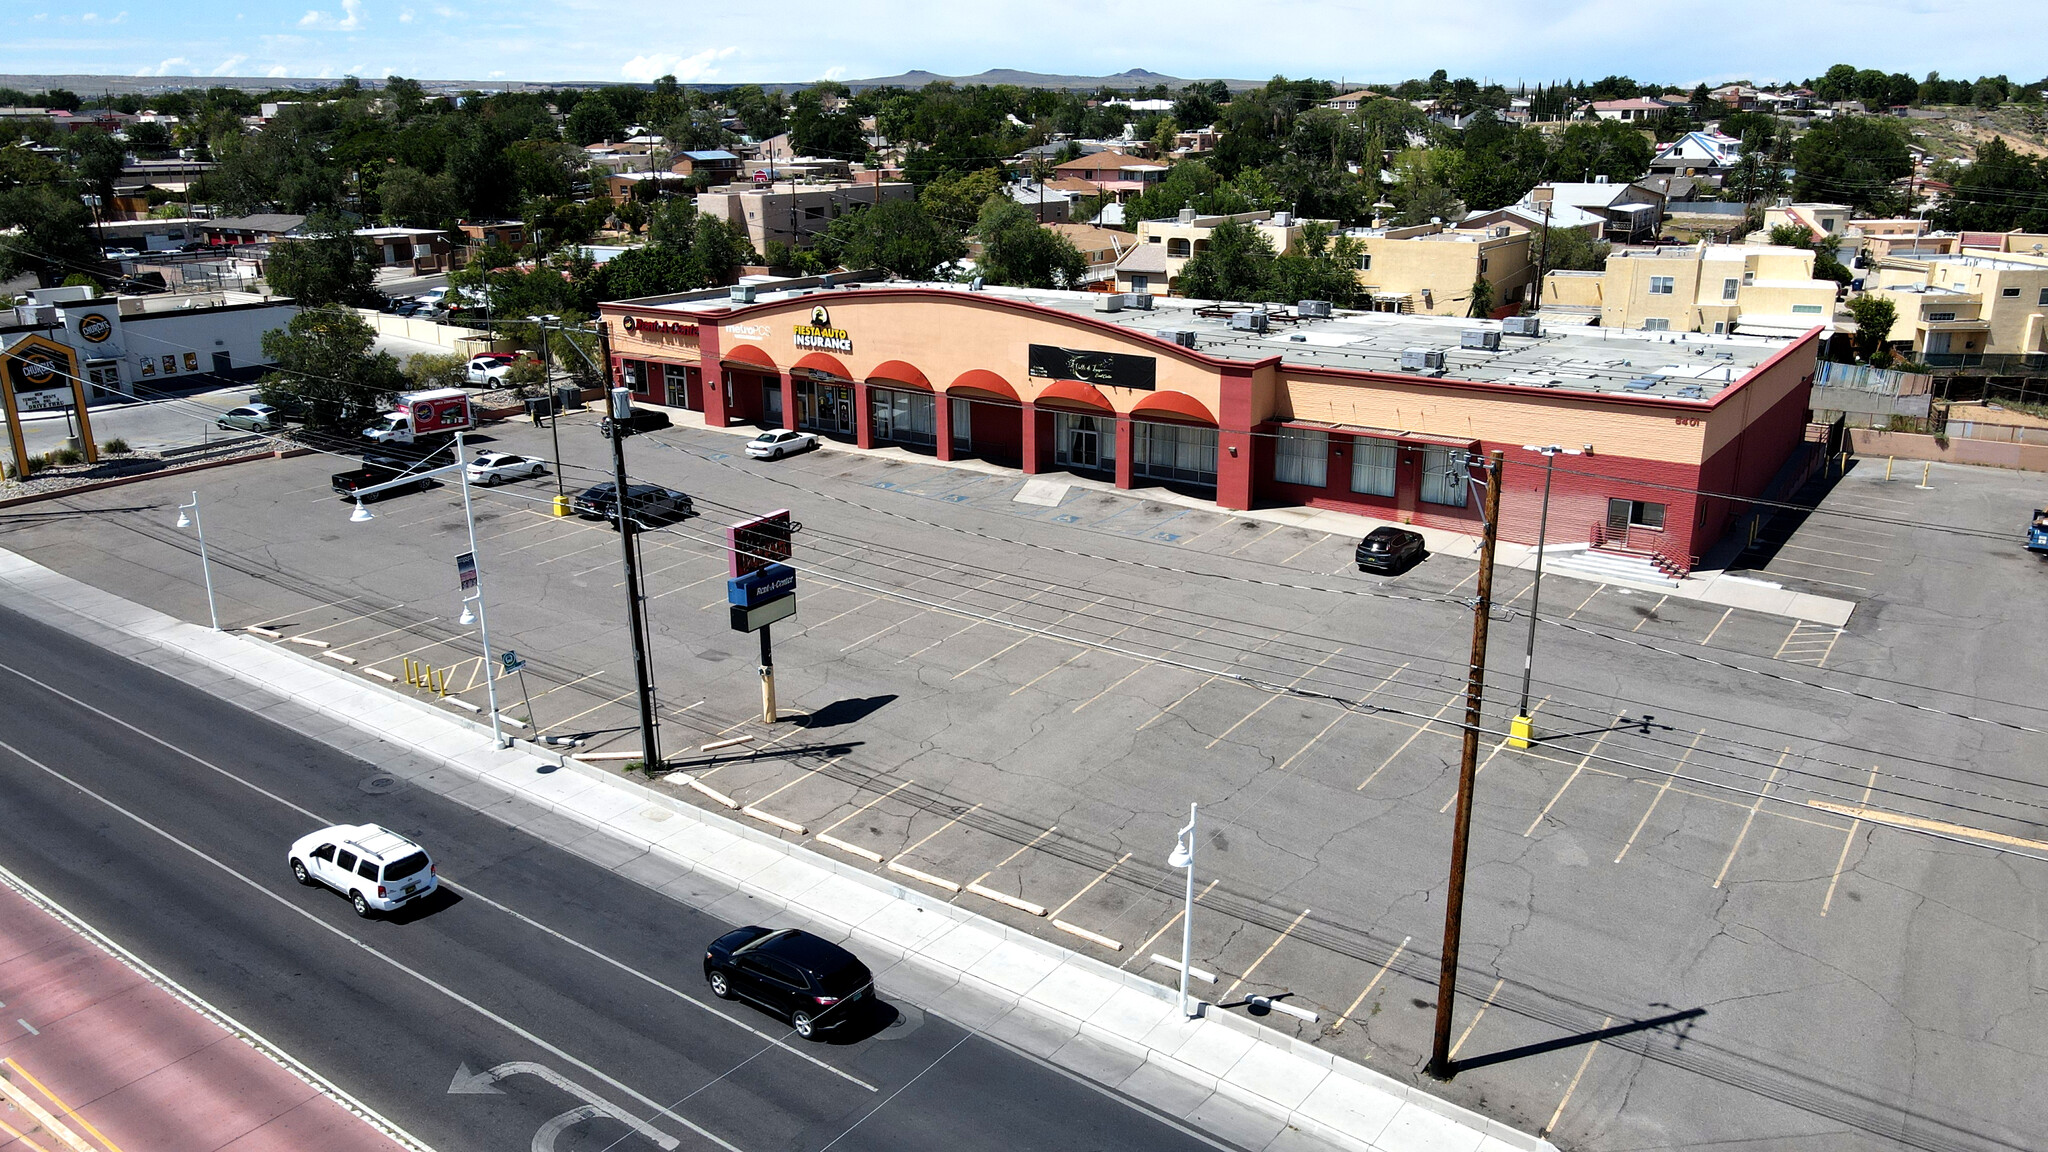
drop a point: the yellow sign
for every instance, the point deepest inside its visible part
(38, 372)
(819, 335)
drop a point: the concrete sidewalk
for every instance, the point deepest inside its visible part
(1248, 1084)
(1703, 585)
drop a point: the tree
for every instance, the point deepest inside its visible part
(957, 200)
(895, 235)
(410, 196)
(1874, 317)
(1569, 250)
(55, 233)
(1325, 267)
(327, 368)
(1237, 265)
(1018, 252)
(1607, 148)
(593, 121)
(1853, 160)
(98, 159)
(1999, 191)
(1423, 190)
(330, 266)
(436, 370)
(1482, 298)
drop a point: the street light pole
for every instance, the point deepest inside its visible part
(1183, 856)
(205, 563)
(483, 624)
(1521, 729)
(619, 426)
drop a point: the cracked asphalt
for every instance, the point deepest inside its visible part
(1692, 916)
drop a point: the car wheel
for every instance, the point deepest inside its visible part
(300, 874)
(720, 986)
(363, 908)
(804, 1025)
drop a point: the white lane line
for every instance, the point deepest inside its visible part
(327, 820)
(369, 949)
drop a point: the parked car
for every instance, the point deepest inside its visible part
(780, 442)
(2037, 531)
(595, 502)
(378, 470)
(650, 505)
(1389, 549)
(120, 253)
(376, 868)
(497, 467)
(812, 983)
(489, 367)
(252, 418)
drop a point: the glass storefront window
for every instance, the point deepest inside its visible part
(824, 407)
(1085, 442)
(903, 417)
(1173, 452)
(1302, 456)
(1372, 466)
(963, 423)
(677, 378)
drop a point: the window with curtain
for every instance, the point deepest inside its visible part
(1443, 477)
(1302, 456)
(1372, 466)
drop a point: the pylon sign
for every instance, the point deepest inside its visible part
(39, 375)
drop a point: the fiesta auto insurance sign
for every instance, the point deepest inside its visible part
(819, 335)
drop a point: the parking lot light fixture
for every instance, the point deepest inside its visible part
(1522, 728)
(205, 562)
(361, 515)
(1183, 856)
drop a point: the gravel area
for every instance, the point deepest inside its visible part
(60, 478)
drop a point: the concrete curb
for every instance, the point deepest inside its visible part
(1286, 1083)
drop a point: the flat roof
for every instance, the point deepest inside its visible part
(1601, 361)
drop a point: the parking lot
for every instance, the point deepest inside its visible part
(1693, 897)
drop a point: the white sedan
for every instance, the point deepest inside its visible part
(496, 467)
(776, 444)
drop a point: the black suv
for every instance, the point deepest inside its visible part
(1389, 550)
(649, 505)
(810, 982)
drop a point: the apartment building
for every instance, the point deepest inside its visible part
(1101, 247)
(793, 214)
(1165, 246)
(1430, 270)
(1117, 173)
(1754, 289)
(1954, 310)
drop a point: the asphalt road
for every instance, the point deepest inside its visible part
(161, 814)
(166, 423)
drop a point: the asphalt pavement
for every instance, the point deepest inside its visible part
(542, 994)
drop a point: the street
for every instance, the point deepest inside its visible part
(544, 1001)
(1689, 908)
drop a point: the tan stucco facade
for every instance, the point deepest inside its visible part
(1704, 288)
(1431, 272)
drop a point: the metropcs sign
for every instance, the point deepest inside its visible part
(819, 335)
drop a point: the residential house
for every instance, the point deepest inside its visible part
(1118, 173)
(1101, 247)
(260, 228)
(1719, 289)
(1429, 269)
(510, 233)
(1181, 238)
(1697, 154)
(1049, 202)
(624, 186)
(1616, 212)
(1954, 310)
(793, 214)
(1740, 97)
(716, 165)
(1819, 219)
(415, 250)
(1351, 101)
(1630, 111)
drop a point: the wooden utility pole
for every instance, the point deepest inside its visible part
(1468, 769)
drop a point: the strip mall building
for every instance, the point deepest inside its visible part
(1362, 412)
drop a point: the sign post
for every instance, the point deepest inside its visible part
(514, 664)
(762, 589)
(38, 373)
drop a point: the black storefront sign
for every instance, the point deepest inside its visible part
(1110, 369)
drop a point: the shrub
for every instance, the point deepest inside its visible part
(67, 456)
(115, 447)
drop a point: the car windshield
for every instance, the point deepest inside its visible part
(401, 869)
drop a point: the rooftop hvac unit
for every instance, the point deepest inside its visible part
(1313, 309)
(1642, 383)
(1248, 322)
(1113, 302)
(974, 285)
(1421, 360)
(1185, 337)
(743, 293)
(1142, 301)
(1484, 338)
(1522, 326)
(825, 281)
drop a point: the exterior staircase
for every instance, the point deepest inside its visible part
(1603, 565)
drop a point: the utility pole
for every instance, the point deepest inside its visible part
(618, 427)
(1522, 729)
(1468, 770)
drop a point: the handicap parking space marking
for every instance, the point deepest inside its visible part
(1066, 518)
(1168, 537)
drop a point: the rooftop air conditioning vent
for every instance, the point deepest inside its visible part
(1642, 384)
(1313, 309)
(1142, 301)
(743, 293)
(1185, 337)
(1521, 326)
(1421, 359)
(1113, 302)
(1248, 322)
(1484, 339)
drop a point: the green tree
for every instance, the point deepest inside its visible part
(54, 237)
(1852, 160)
(327, 367)
(329, 266)
(1874, 317)
(593, 121)
(1607, 148)
(410, 196)
(436, 370)
(896, 235)
(1568, 249)
(957, 200)
(98, 159)
(1017, 251)
(1238, 265)
(1324, 267)
(1482, 298)
(1423, 186)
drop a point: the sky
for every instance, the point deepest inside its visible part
(639, 40)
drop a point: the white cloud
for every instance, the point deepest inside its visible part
(405, 17)
(96, 18)
(228, 65)
(164, 68)
(495, 74)
(687, 69)
(278, 70)
(836, 72)
(351, 17)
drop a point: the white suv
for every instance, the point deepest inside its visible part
(376, 868)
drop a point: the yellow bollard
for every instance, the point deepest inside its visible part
(561, 505)
(1888, 469)
(1520, 732)
(440, 681)
(1926, 472)
(412, 675)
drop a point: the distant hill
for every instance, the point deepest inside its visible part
(917, 78)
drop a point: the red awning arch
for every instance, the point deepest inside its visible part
(981, 383)
(748, 356)
(1173, 405)
(823, 365)
(896, 373)
(1073, 394)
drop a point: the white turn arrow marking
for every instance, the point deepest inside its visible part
(486, 1083)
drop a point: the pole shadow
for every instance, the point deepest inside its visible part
(1593, 1037)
